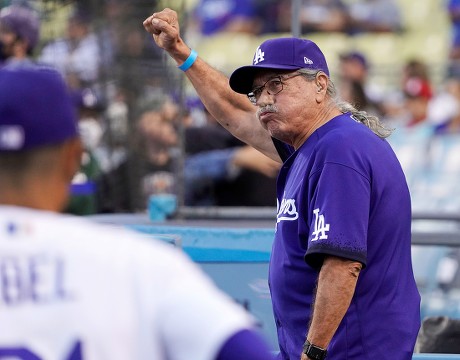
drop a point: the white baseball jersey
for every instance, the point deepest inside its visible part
(71, 289)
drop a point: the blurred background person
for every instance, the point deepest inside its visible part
(353, 92)
(315, 16)
(374, 16)
(220, 170)
(19, 35)
(214, 16)
(85, 186)
(77, 53)
(444, 109)
(408, 105)
(453, 12)
(353, 72)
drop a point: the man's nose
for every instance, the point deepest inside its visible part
(265, 98)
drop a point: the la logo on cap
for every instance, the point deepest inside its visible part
(259, 56)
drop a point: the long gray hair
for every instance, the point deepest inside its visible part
(371, 121)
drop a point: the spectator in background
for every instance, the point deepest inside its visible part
(147, 168)
(315, 16)
(221, 171)
(213, 16)
(19, 35)
(254, 183)
(236, 176)
(353, 92)
(353, 65)
(374, 16)
(444, 109)
(267, 11)
(354, 69)
(160, 138)
(415, 68)
(209, 135)
(410, 106)
(84, 190)
(78, 53)
(417, 92)
(413, 130)
(453, 10)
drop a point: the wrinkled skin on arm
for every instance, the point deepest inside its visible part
(230, 109)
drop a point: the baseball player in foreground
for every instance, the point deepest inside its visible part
(71, 289)
(341, 277)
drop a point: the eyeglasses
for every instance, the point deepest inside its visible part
(274, 86)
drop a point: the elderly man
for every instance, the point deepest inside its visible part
(340, 275)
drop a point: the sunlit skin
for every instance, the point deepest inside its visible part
(297, 111)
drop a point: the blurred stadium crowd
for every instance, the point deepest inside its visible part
(145, 131)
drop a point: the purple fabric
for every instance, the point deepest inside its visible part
(35, 109)
(215, 15)
(245, 345)
(453, 7)
(279, 54)
(343, 193)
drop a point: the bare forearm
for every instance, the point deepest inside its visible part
(336, 286)
(232, 110)
(213, 88)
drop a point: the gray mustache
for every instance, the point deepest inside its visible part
(268, 108)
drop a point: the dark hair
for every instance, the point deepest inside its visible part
(359, 98)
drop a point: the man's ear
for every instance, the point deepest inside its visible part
(321, 82)
(71, 158)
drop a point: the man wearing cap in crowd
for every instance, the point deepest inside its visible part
(73, 289)
(354, 66)
(19, 35)
(340, 276)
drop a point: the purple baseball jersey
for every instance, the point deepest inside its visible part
(343, 193)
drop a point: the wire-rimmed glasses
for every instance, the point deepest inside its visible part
(274, 86)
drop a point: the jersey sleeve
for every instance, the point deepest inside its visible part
(339, 214)
(194, 318)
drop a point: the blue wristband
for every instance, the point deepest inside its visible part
(189, 62)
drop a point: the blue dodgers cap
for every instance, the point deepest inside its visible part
(35, 109)
(280, 54)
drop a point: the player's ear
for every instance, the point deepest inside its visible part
(71, 161)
